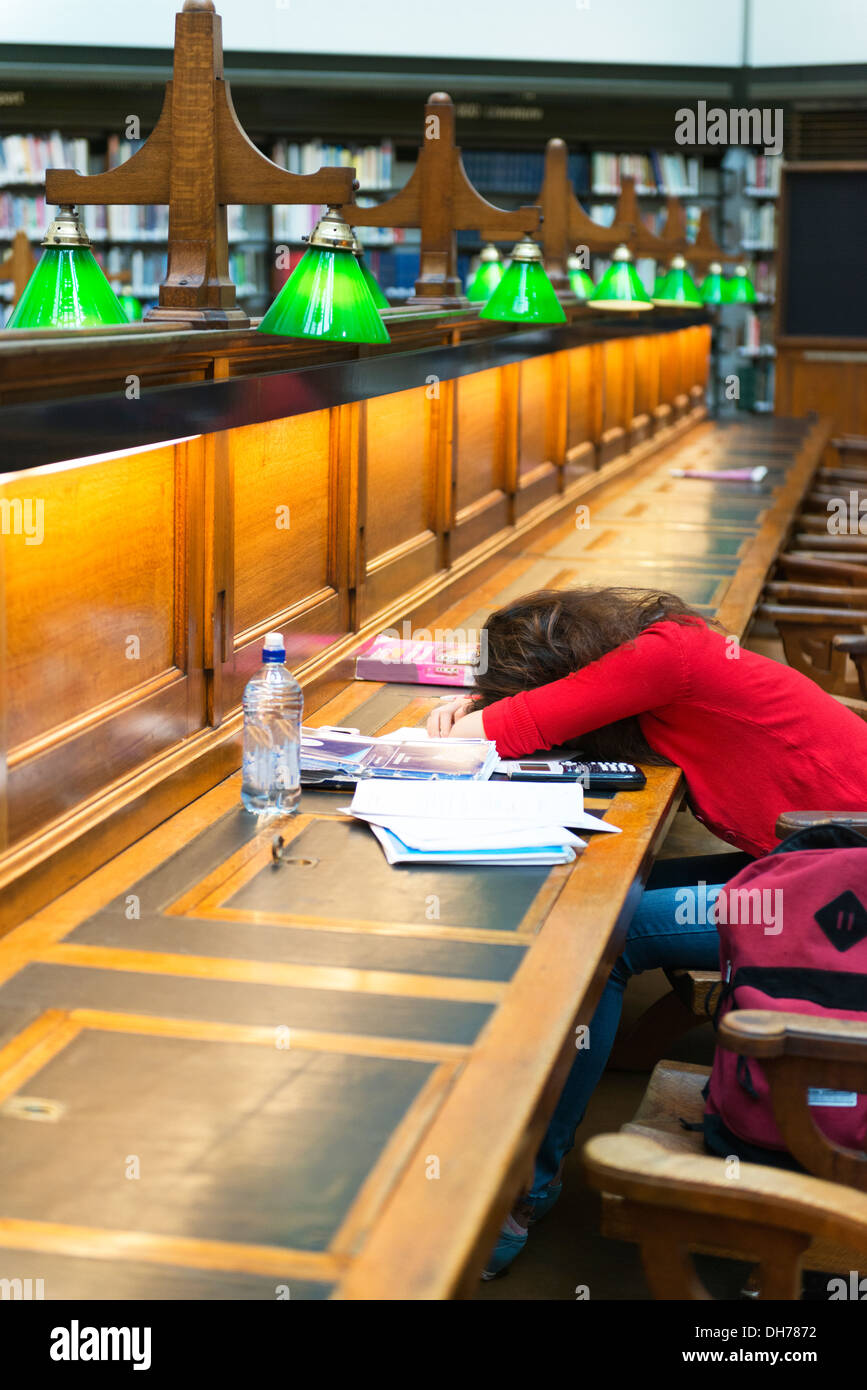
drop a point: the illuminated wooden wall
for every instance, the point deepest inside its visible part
(131, 628)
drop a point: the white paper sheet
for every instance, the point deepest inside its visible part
(420, 832)
(526, 803)
(398, 853)
(522, 801)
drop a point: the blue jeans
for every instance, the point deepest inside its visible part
(656, 939)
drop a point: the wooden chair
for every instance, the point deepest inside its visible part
(855, 647)
(850, 548)
(809, 638)
(664, 1193)
(823, 569)
(852, 449)
(818, 595)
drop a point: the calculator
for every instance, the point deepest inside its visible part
(593, 776)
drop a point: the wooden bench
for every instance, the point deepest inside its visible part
(335, 1074)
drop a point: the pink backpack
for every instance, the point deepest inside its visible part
(793, 937)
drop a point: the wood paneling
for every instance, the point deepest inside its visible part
(320, 524)
(584, 404)
(647, 352)
(541, 397)
(480, 500)
(105, 669)
(478, 452)
(104, 548)
(282, 506)
(831, 381)
(399, 457)
(399, 485)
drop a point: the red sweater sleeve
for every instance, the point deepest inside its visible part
(640, 675)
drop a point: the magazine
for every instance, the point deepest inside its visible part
(344, 755)
(388, 658)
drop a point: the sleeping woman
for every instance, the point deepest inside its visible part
(636, 675)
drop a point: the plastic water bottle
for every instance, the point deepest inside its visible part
(273, 705)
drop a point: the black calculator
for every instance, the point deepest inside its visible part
(593, 776)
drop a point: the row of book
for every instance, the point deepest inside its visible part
(655, 219)
(764, 278)
(373, 164)
(249, 268)
(29, 215)
(517, 171)
(249, 271)
(25, 158)
(757, 331)
(123, 222)
(293, 222)
(654, 172)
(759, 225)
(763, 172)
(147, 268)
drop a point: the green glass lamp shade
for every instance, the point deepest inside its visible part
(372, 284)
(620, 287)
(525, 294)
(131, 307)
(68, 288)
(580, 280)
(740, 287)
(678, 288)
(327, 296)
(659, 281)
(713, 287)
(486, 279)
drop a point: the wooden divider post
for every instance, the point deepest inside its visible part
(197, 160)
(440, 200)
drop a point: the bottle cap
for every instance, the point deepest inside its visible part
(273, 650)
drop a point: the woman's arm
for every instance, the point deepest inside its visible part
(641, 675)
(469, 726)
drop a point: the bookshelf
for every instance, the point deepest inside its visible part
(266, 243)
(746, 347)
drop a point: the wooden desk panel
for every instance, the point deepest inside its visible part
(102, 658)
(333, 1074)
(283, 542)
(329, 524)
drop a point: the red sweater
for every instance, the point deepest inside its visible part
(753, 737)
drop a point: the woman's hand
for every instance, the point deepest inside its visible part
(450, 708)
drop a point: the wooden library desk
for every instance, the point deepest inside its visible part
(222, 1077)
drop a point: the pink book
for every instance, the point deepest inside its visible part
(420, 663)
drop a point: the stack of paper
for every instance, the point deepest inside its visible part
(346, 754)
(475, 822)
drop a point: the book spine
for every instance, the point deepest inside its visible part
(413, 673)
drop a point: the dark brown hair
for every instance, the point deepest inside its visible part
(547, 635)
